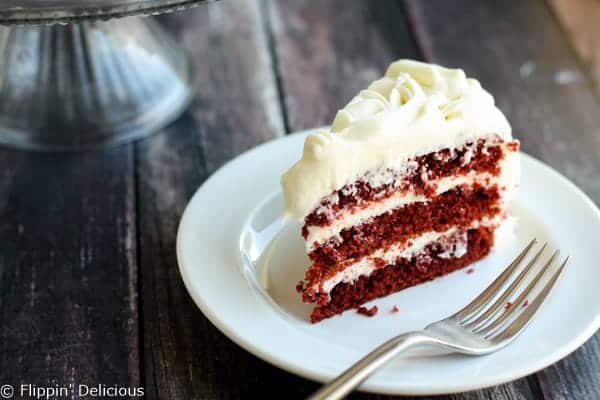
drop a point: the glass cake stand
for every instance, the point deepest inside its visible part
(75, 75)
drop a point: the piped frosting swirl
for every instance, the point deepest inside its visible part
(415, 109)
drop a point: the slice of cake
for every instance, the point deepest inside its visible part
(409, 184)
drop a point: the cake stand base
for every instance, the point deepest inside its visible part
(93, 84)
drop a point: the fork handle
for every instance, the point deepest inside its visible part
(362, 369)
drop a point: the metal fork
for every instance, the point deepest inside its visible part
(485, 325)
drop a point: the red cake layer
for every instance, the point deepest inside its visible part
(405, 273)
(457, 207)
(480, 157)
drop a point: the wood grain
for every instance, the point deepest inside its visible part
(520, 54)
(68, 303)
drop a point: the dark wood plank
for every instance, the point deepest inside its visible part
(327, 51)
(68, 293)
(236, 107)
(521, 55)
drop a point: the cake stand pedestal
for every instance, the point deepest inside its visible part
(87, 82)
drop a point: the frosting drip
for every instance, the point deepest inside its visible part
(415, 109)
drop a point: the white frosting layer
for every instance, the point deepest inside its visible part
(415, 109)
(510, 177)
(366, 265)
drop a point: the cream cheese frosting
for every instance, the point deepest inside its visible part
(415, 109)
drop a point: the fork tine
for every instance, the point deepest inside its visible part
(517, 303)
(527, 315)
(474, 306)
(508, 292)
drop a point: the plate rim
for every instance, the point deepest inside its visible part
(575, 342)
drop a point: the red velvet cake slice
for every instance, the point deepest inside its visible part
(410, 183)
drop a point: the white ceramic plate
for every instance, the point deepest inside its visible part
(240, 264)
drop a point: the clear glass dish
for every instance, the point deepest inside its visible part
(54, 11)
(71, 79)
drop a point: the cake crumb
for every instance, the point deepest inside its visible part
(369, 312)
(470, 271)
(379, 262)
(394, 309)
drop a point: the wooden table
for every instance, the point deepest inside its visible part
(89, 287)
